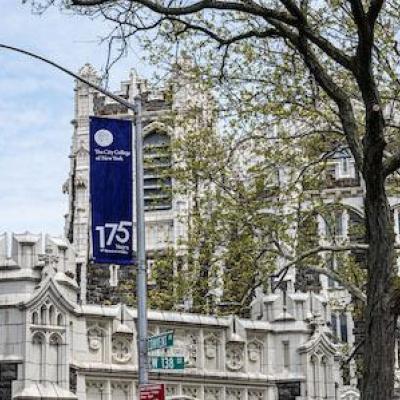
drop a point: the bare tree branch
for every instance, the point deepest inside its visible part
(374, 9)
(296, 20)
(355, 291)
(354, 352)
(228, 41)
(336, 93)
(336, 54)
(352, 289)
(250, 8)
(320, 249)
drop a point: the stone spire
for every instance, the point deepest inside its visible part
(89, 73)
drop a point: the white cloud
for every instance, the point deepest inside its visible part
(36, 105)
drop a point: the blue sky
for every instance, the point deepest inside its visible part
(36, 107)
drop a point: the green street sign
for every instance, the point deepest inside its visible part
(162, 341)
(165, 362)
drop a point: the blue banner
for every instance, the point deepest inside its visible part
(111, 190)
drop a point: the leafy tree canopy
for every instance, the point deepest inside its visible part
(297, 81)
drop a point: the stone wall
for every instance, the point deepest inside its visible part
(101, 291)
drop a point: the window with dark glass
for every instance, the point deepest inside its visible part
(334, 324)
(334, 224)
(286, 354)
(8, 373)
(356, 227)
(343, 327)
(157, 177)
(357, 235)
(398, 221)
(331, 265)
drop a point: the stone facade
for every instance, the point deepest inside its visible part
(55, 343)
(163, 227)
(52, 347)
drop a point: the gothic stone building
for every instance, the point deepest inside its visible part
(56, 344)
(99, 284)
(54, 347)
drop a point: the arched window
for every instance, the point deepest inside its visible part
(54, 359)
(35, 318)
(314, 377)
(334, 324)
(334, 224)
(71, 339)
(356, 230)
(286, 354)
(38, 355)
(157, 176)
(43, 315)
(324, 377)
(331, 263)
(60, 320)
(356, 234)
(343, 326)
(52, 315)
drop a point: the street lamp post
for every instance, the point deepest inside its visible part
(141, 290)
(141, 277)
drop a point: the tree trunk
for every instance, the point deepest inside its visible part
(378, 359)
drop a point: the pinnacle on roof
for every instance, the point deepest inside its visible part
(88, 71)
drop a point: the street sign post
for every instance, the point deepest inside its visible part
(154, 391)
(166, 362)
(166, 339)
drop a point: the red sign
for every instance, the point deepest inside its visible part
(153, 391)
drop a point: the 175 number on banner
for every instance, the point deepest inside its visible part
(113, 237)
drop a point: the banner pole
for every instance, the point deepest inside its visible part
(141, 291)
(141, 278)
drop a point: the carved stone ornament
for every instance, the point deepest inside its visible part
(255, 395)
(172, 390)
(254, 350)
(186, 343)
(55, 340)
(211, 346)
(121, 350)
(234, 356)
(211, 352)
(192, 391)
(87, 70)
(95, 339)
(191, 355)
(349, 394)
(120, 386)
(212, 393)
(234, 394)
(98, 386)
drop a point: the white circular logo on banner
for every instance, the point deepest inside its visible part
(103, 137)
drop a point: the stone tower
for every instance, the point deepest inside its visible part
(112, 283)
